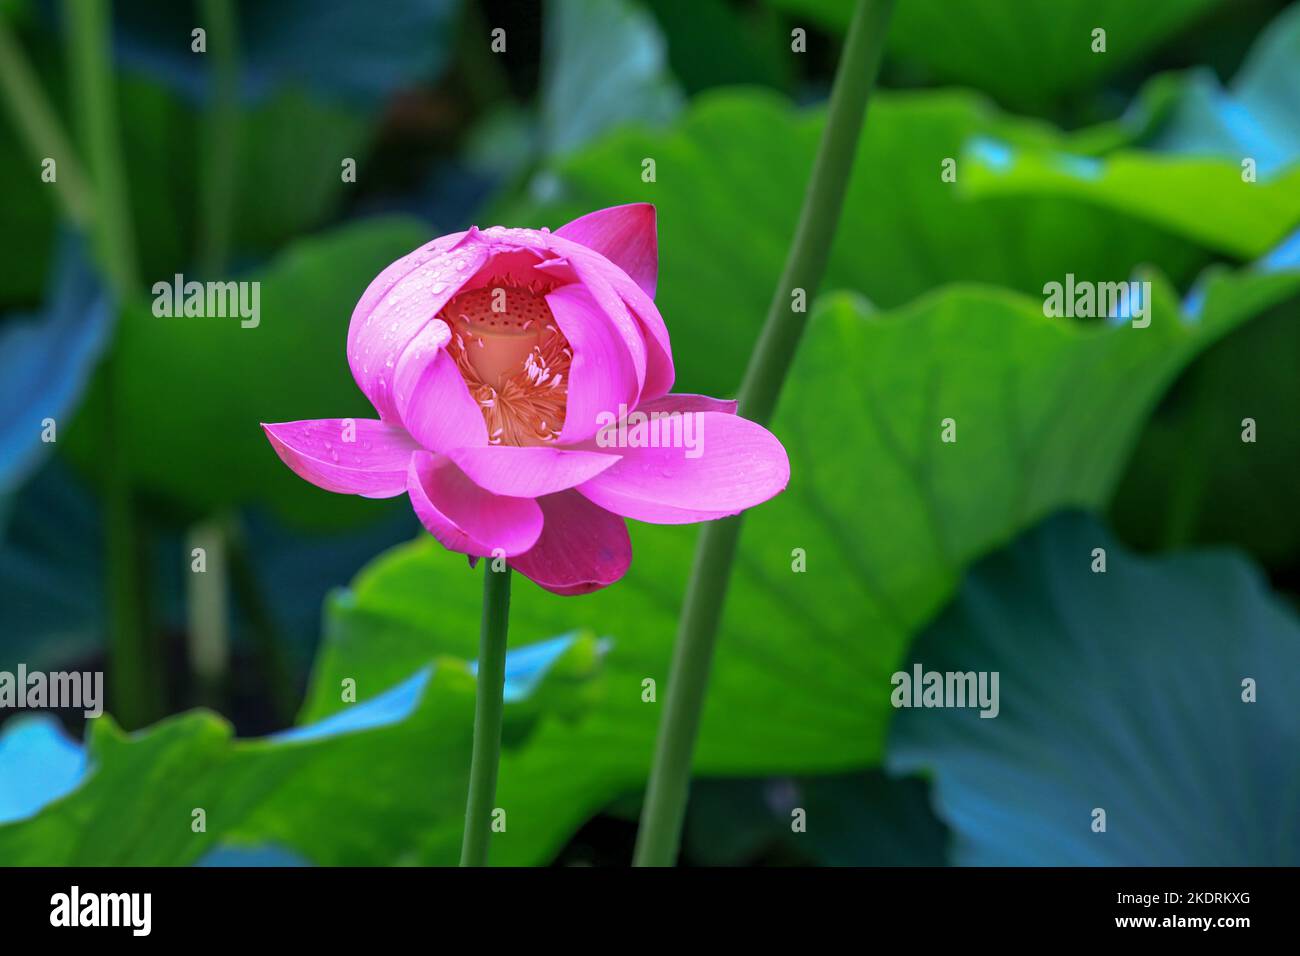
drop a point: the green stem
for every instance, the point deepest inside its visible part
(487, 81)
(207, 609)
(134, 674)
(39, 127)
(89, 35)
(488, 706)
(207, 595)
(217, 162)
(665, 804)
(267, 642)
(134, 668)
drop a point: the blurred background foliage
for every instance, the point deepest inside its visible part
(1119, 690)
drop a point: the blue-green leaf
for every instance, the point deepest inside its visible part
(1121, 691)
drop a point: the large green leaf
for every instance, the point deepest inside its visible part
(354, 788)
(137, 805)
(344, 798)
(290, 150)
(1195, 138)
(1206, 200)
(1122, 691)
(195, 389)
(1192, 478)
(756, 51)
(1028, 53)
(1256, 117)
(1046, 411)
(729, 178)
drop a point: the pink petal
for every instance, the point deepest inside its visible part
(464, 517)
(530, 471)
(659, 370)
(372, 465)
(432, 399)
(602, 376)
(594, 273)
(739, 465)
(625, 235)
(582, 548)
(686, 402)
(399, 303)
(656, 369)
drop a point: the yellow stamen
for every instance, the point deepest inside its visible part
(518, 368)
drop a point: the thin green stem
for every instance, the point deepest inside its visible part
(220, 153)
(39, 126)
(489, 704)
(260, 616)
(488, 82)
(134, 671)
(207, 595)
(207, 608)
(665, 804)
(90, 44)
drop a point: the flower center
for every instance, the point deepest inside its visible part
(515, 360)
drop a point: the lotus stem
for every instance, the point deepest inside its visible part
(95, 93)
(39, 126)
(665, 805)
(207, 598)
(134, 668)
(489, 703)
(217, 162)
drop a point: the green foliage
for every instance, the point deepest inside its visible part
(756, 48)
(355, 788)
(882, 521)
(729, 182)
(1027, 53)
(1205, 200)
(1123, 691)
(28, 213)
(289, 178)
(350, 798)
(1046, 412)
(605, 64)
(852, 819)
(195, 389)
(1192, 479)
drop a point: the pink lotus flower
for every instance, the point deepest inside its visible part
(504, 363)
